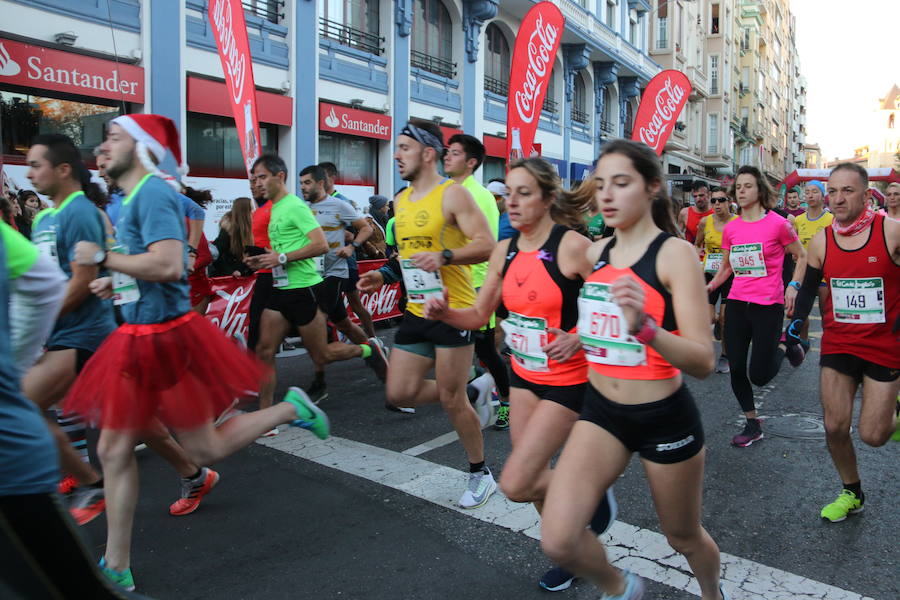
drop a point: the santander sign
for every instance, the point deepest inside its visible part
(665, 96)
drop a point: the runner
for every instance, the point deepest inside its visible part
(814, 220)
(262, 287)
(595, 223)
(440, 231)
(199, 256)
(792, 202)
(157, 366)
(296, 240)
(709, 241)
(642, 321)
(464, 156)
(753, 249)
(334, 216)
(859, 258)
(892, 201)
(536, 275)
(689, 217)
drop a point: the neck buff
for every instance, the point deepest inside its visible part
(862, 221)
(423, 137)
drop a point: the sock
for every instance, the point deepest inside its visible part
(475, 467)
(366, 350)
(856, 488)
(98, 484)
(504, 403)
(195, 475)
(320, 377)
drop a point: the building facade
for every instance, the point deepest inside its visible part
(882, 135)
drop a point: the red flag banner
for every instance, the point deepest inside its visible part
(230, 30)
(532, 63)
(665, 96)
(382, 304)
(229, 309)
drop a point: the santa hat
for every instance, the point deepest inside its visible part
(157, 135)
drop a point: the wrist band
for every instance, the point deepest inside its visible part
(648, 330)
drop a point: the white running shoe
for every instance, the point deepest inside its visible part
(481, 486)
(479, 392)
(271, 433)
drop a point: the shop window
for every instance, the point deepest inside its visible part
(354, 157)
(493, 168)
(353, 23)
(213, 148)
(432, 38)
(24, 116)
(496, 61)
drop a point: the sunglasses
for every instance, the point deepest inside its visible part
(717, 200)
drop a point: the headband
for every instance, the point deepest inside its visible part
(423, 137)
(817, 184)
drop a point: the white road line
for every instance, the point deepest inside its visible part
(441, 440)
(641, 550)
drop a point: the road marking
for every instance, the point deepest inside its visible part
(643, 551)
(439, 441)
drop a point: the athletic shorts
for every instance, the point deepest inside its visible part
(666, 431)
(297, 305)
(329, 295)
(349, 284)
(569, 396)
(81, 355)
(856, 367)
(421, 336)
(719, 292)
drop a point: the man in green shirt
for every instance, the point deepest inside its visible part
(296, 240)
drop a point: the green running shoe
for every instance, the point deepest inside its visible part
(309, 416)
(502, 422)
(123, 579)
(896, 436)
(846, 504)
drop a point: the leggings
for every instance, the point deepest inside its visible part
(41, 555)
(746, 322)
(486, 351)
(262, 289)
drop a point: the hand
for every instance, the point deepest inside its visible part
(437, 308)
(235, 273)
(101, 287)
(192, 260)
(85, 253)
(428, 261)
(710, 288)
(790, 297)
(370, 281)
(264, 261)
(345, 252)
(629, 295)
(563, 346)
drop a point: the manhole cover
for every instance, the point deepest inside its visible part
(799, 426)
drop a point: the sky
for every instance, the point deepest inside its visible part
(850, 56)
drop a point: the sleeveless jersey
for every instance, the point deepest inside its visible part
(864, 299)
(693, 220)
(420, 227)
(603, 329)
(538, 296)
(807, 228)
(712, 242)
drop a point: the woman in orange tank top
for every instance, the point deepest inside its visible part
(534, 278)
(642, 320)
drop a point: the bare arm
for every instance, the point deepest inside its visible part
(682, 219)
(363, 232)
(700, 240)
(725, 271)
(316, 246)
(790, 294)
(195, 230)
(163, 261)
(77, 290)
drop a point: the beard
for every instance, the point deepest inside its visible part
(117, 168)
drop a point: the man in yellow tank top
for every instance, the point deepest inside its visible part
(814, 220)
(709, 243)
(440, 231)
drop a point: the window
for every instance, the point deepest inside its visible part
(356, 157)
(662, 25)
(629, 117)
(712, 140)
(714, 74)
(579, 104)
(352, 23)
(761, 84)
(745, 119)
(891, 121)
(550, 98)
(267, 9)
(493, 168)
(745, 79)
(213, 148)
(611, 8)
(606, 126)
(745, 40)
(24, 116)
(633, 27)
(714, 20)
(776, 45)
(432, 38)
(496, 61)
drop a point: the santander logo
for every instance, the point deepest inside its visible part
(235, 60)
(540, 49)
(331, 120)
(8, 67)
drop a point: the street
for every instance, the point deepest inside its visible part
(370, 513)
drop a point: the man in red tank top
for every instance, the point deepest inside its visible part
(262, 288)
(859, 258)
(690, 216)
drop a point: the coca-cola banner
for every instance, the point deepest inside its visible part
(665, 96)
(230, 30)
(383, 304)
(230, 306)
(532, 62)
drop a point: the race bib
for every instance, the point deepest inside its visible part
(421, 285)
(713, 261)
(46, 242)
(747, 260)
(858, 300)
(319, 262)
(604, 331)
(279, 276)
(525, 337)
(125, 287)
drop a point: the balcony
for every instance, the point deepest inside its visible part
(271, 10)
(432, 64)
(495, 86)
(353, 38)
(580, 116)
(607, 128)
(699, 82)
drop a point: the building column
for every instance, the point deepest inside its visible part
(475, 13)
(305, 70)
(167, 85)
(403, 17)
(575, 58)
(628, 89)
(604, 75)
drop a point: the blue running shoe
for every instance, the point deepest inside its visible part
(634, 588)
(123, 579)
(606, 513)
(556, 579)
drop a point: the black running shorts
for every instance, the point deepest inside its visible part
(297, 305)
(421, 336)
(569, 396)
(329, 295)
(856, 367)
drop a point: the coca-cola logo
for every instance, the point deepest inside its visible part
(666, 104)
(540, 52)
(234, 317)
(234, 59)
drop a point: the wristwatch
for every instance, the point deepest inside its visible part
(355, 244)
(447, 255)
(282, 258)
(100, 257)
(795, 284)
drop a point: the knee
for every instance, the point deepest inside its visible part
(837, 427)
(684, 542)
(758, 378)
(875, 436)
(561, 549)
(399, 395)
(113, 451)
(516, 487)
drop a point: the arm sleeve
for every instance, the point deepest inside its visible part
(390, 271)
(787, 235)
(349, 213)
(161, 219)
(85, 225)
(35, 297)
(726, 238)
(192, 210)
(808, 293)
(20, 253)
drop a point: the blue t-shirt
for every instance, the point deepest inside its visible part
(504, 229)
(192, 210)
(28, 459)
(56, 231)
(153, 212)
(114, 207)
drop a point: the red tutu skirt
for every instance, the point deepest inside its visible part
(200, 287)
(185, 372)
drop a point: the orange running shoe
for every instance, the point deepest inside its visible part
(192, 491)
(86, 504)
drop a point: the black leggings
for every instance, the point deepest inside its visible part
(41, 555)
(746, 322)
(486, 351)
(262, 289)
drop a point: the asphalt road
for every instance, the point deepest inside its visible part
(281, 526)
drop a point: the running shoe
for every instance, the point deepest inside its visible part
(722, 365)
(123, 579)
(317, 391)
(380, 342)
(634, 588)
(270, 433)
(606, 513)
(86, 504)
(192, 491)
(66, 485)
(378, 360)
(846, 504)
(479, 393)
(752, 433)
(556, 579)
(502, 421)
(400, 409)
(481, 486)
(309, 416)
(795, 353)
(722, 591)
(717, 331)
(896, 436)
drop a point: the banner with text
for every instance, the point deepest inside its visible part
(532, 63)
(664, 97)
(230, 30)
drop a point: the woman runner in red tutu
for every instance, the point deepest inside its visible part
(147, 371)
